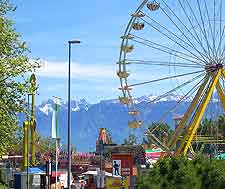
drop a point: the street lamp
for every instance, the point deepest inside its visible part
(69, 113)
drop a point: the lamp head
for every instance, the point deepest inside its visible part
(74, 41)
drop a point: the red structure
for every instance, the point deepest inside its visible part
(127, 162)
(102, 137)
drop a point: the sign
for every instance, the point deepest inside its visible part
(126, 164)
(116, 165)
(116, 183)
(126, 171)
(36, 180)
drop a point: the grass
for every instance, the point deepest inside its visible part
(2, 186)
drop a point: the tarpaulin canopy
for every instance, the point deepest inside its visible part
(34, 170)
(221, 156)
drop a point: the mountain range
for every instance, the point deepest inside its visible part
(110, 114)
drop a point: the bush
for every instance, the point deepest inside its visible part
(181, 173)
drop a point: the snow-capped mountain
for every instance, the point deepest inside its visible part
(111, 114)
(47, 107)
(156, 99)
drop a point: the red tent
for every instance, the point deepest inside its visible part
(58, 173)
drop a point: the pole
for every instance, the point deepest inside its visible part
(69, 121)
(101, 165)
(56, 146)
(27, 145)
(56, 162)
(49, 173)
(33, 123)
(69, 114)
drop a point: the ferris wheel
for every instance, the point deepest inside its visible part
(175, 48)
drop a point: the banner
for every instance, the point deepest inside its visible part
(55, 132)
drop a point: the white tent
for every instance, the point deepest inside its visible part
(96, 172)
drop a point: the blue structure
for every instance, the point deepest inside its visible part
(35, 176)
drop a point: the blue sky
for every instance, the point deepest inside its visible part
(47, 26)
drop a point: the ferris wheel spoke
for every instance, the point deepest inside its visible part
(174, 23)
(166, 50)
(185, 97)
(218, 50)
(223, 53)
(207, 53)
(223, 49)
(163, 63)
(172, 39)
(223, 84)
(203, 31)
(214, 26)
(178, 88)
(182, 32)
(210, 25)
(166, 78)
(165, 47)
(203, 24)
(221, 32)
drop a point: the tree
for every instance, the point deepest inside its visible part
(131, 140)
(162, 131)
(109, 134)
(14, 64)
(181, 173)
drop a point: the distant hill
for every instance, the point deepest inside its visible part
(111, 114)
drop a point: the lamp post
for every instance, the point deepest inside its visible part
(69, 113)
(27, 136)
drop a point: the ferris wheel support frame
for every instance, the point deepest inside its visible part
(188, 113)
(186, 142)
(221, 94)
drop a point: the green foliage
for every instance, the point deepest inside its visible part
(109, 134)
(14, 64)
(131, 140)
(181, 173)
(213, 127)
(161, 129)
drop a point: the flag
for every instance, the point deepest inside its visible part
(55, 132)
(54, 127)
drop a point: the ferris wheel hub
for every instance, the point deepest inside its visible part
(213, 67)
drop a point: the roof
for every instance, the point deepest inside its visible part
(220, 156)
(32, 170)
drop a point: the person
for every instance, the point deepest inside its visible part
(116, 168)
(82, 184)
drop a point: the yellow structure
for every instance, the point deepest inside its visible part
(116, 183)
(198, 111)
(29, 127)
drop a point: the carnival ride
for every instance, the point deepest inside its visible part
(176, 48)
